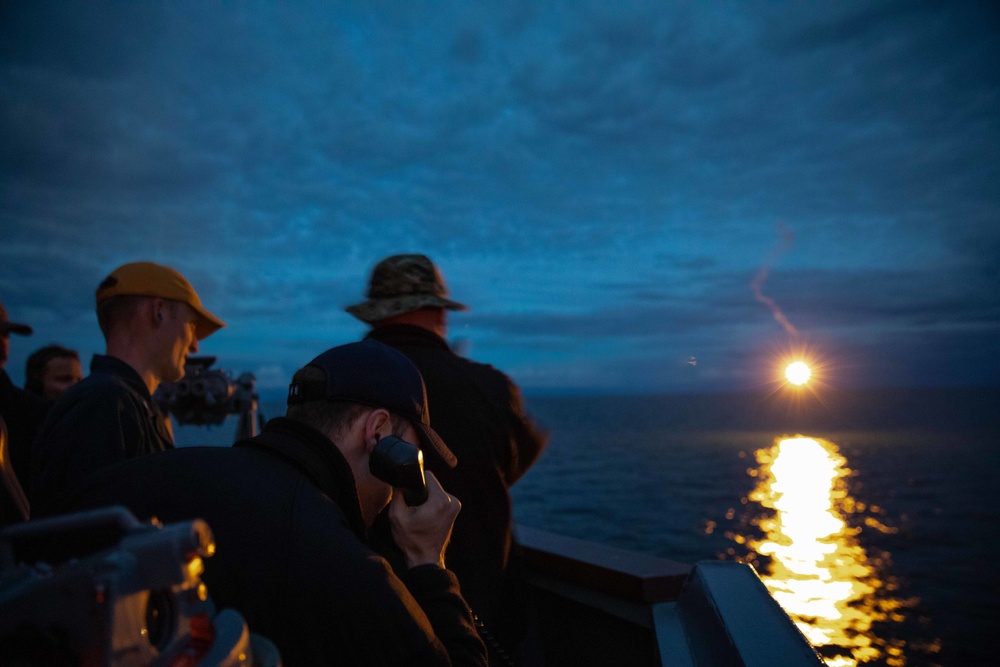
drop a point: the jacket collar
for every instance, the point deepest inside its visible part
(114, 366)
(407, 334)
(318, 458)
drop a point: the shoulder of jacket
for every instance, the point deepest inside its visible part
(320, 540)
(96, 393)
(489, 375)
(100, 385)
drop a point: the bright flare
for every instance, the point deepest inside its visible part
(798, 373)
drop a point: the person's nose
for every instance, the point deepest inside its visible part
(194, 346)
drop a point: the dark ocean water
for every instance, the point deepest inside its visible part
(912, 481)
(676, 477)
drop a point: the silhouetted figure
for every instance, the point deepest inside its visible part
(151, 319)
(290, 509)
(21, 410)
(478, 411)
(51, 370)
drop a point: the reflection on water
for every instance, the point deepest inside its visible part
(818, 572)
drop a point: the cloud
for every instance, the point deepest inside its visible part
(597, 178)
(65, 38)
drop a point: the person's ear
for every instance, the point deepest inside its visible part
(377, 426)
(158, 306)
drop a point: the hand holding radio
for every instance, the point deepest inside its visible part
(422, 531)
(423, 514)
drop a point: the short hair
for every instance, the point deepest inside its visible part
(123, 306)
(117, 309)
(327, 416)
(34, 368)
(324, 416)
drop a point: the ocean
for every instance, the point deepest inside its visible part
(878, 540)
(870, 515)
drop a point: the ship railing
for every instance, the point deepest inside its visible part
(600, 605)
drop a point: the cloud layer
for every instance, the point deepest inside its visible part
(600, 183)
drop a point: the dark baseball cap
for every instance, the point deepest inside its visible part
(8, 327)
(372, 373)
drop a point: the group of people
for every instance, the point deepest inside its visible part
(48, 373)
(317, 552)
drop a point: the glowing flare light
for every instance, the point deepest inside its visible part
(798, 373)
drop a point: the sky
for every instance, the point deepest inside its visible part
(630, 196)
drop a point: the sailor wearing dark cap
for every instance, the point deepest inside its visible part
(151, 318)
(291, 509)
(21, 410)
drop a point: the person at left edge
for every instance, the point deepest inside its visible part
(151, 319)
(21, 410)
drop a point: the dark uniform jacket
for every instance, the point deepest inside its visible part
(107, 417)
(478, 412)
(23, 413)
(290, 552)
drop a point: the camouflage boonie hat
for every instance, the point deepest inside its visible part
(400, 284)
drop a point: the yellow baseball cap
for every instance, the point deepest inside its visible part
(156, 280)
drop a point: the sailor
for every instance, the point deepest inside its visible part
(51, 370)
(479, 412)
(21, 410)
(151, 319)
(291, 508)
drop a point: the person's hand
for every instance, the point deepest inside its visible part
(422, 532)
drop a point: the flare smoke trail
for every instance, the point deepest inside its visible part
(787, 238)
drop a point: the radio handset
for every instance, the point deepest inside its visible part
(401, 465)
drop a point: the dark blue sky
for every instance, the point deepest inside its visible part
(600, 182)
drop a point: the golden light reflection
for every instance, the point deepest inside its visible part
(818, 571)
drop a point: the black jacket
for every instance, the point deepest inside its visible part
(23, 413)
(478, 412)
(105, 418)
(291, 555)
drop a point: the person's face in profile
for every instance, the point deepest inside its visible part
(177, 340)
(60, 374)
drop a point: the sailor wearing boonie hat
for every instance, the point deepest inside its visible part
(478, 411)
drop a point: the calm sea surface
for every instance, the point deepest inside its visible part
(881, 544)
(880, 541)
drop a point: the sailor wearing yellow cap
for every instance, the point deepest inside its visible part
(151, 319)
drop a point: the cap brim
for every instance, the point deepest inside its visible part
(435, 444)
(14, 327)
(376, 310)
(207, 324)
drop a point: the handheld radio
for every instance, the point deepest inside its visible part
(401, 465)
